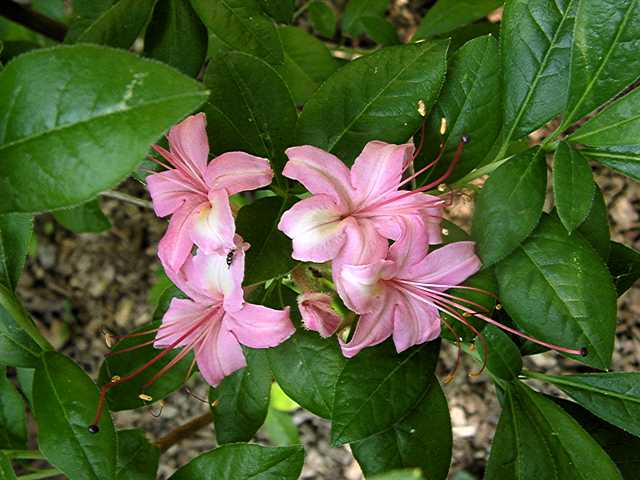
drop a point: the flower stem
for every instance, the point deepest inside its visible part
(124, 197)
(184, 431)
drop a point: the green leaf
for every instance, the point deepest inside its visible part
(604, 60)
(250, 108)
(378, 387)
(573, 186)
(448, 15)
(509, 205)
(595, 228)
(176, 36)
(624, 265)
(20, 341)
(91, 8)
(464, 34)
(535, 438)
(280, 428)
(504, 359)
(612, 136)
(373, 97)
(307, 63)
(407, 474)
(120, 25)
(243, 399)
(356, 10)
(557, 289)
(13, 426)
(65, 402)
(306, 366)
(420, 439)
(240, 25)
(623, 448)
(279, 10)
(15, 234)
(25, 380)
(79, 119)
(6, 470)
(125, 395)
(536, 49)
(137, 458)
(85, 218)
(470, 102)
(270, 252)
(323, 18)
(614, 397)
(380, 30)
(244, 462)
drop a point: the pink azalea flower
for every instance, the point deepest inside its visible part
(196, 192)
(318, 314)
(402, 295)
(365, 201)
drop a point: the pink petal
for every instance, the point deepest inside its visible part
(414, 323)
(451, 264)
(181, 315)
(316, 228)
(213, 227)
(318, 314)
(257, 326)
(320, 172)
(169, 190)
(378, 169)
(411, 248)
(175, 246)
(363, 243)
(188, 140)
(219, 354)
(238, 171)
(213, 276)
(372, 328)
(360, 286)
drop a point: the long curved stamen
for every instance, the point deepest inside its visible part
(135, 334)
(180, 165)
(159, 162)
(158, 338)
(447, 287)
(452, 374)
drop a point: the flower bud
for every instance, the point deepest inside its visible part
(317, 313)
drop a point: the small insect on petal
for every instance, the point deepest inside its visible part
(422, 108)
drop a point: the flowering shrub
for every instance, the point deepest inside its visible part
(305, 176)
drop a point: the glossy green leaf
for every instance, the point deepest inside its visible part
(15, 234)
(25, 380)
(378, 387)
(595, 228)
(614, 397)
(354, 12)
(243, 399)
(624, 265)
(406, 474)
(91, 8)
(504, 359)
(176, 36)
(535, 438)
(613, 136)
(120, 25)
(79, 119)
(137, 458)
(240, 25)
(65, 402)
(244, 461)
(380, 30)
(85, 218)
(250, 108)
(280, 428)
(13, 427)
(307, 63)
(557, 289)
(270, 252)
(306, 366)
(373, 97)
(6, 470)
(509, 206)
(448, 15)
(536, 49)
(420, 439)
(573, 186)
(323, 18)
(623, 448)
(470, 102)
(279, 10)
(125, 395)
(604, 60)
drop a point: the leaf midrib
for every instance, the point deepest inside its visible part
(592, 388)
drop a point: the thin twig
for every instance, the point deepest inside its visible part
(33, 20)
(184, 431)
(128, 198)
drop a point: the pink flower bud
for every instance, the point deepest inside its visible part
(317, 313)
